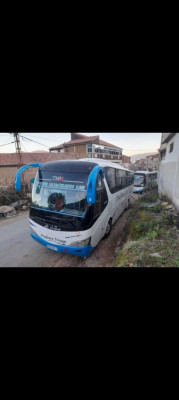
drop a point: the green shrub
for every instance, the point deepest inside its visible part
(150, 197)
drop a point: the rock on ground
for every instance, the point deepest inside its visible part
(7, 210)
(155, 255)
(170, 207)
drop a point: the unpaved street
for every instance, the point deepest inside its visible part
(18, 249)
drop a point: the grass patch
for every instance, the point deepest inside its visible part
(157, 209)
(150, 197)
(151, 231)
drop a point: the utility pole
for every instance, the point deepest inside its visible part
(19, 155)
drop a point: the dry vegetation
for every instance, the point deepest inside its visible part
(153, 238)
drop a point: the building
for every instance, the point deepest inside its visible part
(140, 165)
(168, 176)
(9, 165)
(153, 162)
(126, 161)
(163, 146)
(149, 163)
(89, 146)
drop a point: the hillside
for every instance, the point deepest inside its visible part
(136, 157)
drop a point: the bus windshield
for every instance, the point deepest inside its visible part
(61, 193)
(139, 180)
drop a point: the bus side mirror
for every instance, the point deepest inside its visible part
(19, 172)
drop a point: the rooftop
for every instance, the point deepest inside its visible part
(153, 156)
(77, 139)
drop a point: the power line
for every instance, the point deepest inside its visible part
(29, 153)
(33, 141)
(6, 140)
(6, 144)
(52, 140)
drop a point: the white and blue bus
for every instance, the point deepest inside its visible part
(75, 203)
(144, 180)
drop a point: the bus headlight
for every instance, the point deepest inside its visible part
(80, 243)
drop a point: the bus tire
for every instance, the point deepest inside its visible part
(108, 229)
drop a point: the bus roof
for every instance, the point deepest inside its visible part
(146, 172)
(142, 172)
(105, 163)
(67, 166)
(84, 165)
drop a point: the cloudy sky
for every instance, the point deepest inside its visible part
(131, 143)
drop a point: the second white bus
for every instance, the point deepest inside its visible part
(144, 180)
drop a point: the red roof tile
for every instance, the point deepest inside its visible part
(28, 158)
(153, 155)
(85, 139)
(108, 144)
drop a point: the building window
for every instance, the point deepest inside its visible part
(162, 155)
(171, 147)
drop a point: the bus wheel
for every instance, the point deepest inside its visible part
(108, 229)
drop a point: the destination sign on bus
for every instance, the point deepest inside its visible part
(63, 186)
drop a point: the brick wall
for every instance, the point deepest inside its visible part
(7, 175)
(79, 149)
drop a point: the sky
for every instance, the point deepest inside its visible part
(131, 143)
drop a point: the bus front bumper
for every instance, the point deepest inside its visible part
(76, 251)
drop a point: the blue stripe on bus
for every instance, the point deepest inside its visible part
(76, 251)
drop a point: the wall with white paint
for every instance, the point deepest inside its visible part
(168, 176)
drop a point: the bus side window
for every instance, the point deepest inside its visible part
(101, 197)
(124, 179)
(110, 178)
(118, 180)
(128, 178)
(131, 179)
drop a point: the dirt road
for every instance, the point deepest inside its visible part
(18, 249)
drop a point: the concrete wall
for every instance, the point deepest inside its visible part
(168, 176)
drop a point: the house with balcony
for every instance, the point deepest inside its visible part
(168, 175)
(89, 147)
